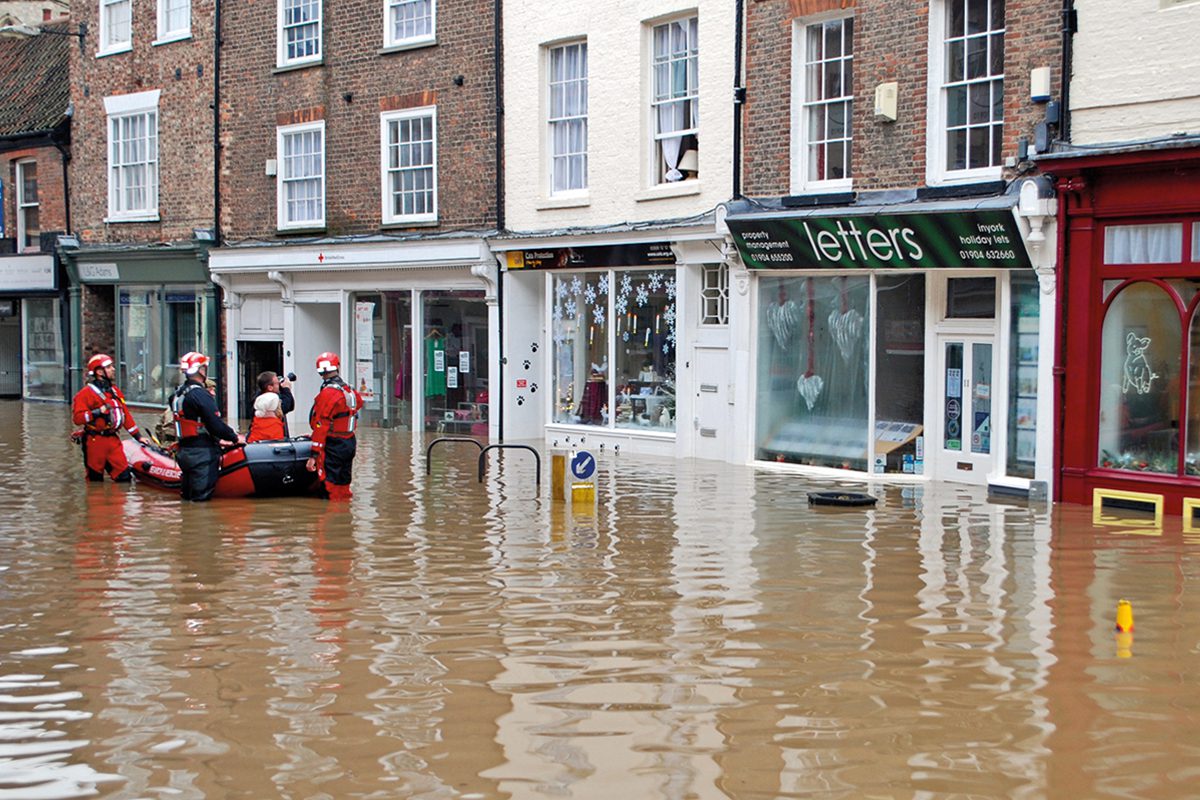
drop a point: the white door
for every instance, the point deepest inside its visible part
(317, 329)
(712, 425)
(965, 443)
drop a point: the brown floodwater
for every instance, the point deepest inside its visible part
(702, 632)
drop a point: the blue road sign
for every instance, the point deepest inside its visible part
(583, 465)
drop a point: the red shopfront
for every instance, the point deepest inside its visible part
(1129, 326)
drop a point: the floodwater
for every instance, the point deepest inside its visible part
(701, 633)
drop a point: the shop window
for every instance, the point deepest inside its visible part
(970, 95)
(900, 374)
(675, 104)
(299, 33)
(409, 22)
(1143, 244)
(1139, 381)
(383, 357)
(156, 325)
(410, 165)
(580, 330)
(174, 19)
(813, 371)
(633, 312)
(568, 68)
(455, 360)
(714, 294)
(43, 356)
(300, 186)
(971, 298)
(29, 229)
(1023, 372)
(1196, 241)
(824, 95)
(116, 29)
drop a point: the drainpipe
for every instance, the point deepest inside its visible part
(498, 71)
(1070, 24)
(217, 124)
(739, 99)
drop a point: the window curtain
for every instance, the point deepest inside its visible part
(670, 118)
(1143, 244)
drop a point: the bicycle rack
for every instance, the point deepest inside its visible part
(429, 450)
(536, 458)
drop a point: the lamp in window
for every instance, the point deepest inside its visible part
(689, 164)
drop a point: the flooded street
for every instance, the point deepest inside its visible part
(703, 634)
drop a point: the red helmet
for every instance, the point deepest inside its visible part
(191, 363)
(99, 361)
(328, 362)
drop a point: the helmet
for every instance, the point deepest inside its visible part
(328, 362)
(191, 363)
(99, 361)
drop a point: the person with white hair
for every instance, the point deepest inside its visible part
(267, 424)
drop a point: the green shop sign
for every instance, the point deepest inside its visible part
(977, 239)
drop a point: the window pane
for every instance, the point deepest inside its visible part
(144, 372)
(1023, 369)
(956, 149)
(1144, 244)
(970, 298)
(900, 371)
(581, 317)
(644, 320)
(1139, 409)
(812, 371)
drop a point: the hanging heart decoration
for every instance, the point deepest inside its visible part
(781, 321)
(810, 384)
(846, 326)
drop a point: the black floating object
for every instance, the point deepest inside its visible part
(846, 499)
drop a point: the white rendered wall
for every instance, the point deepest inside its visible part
(619, 121)
(1136, 72)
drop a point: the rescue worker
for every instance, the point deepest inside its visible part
(199, 429)
(333, 418)
(275, 400)
(100, 408)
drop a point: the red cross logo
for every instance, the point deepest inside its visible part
(321, 258)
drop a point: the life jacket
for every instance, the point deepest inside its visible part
(265, 429)
(344, 420)
(116, 412)
(186, 428)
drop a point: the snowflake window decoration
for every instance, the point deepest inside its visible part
(571, 309)
(603, 284)
(621, 305)
(626, 284)
(560, 290)
(558, 315)
(656, 281)
(671, 288)
(576, 285)
(625, 336)
(598, 315)
(643, 296)
(589, 294)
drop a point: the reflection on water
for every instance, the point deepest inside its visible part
(700, 633)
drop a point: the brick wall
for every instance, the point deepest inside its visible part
(97, 331)
(182, 71)
(51, 205)
(349, 90)
(891, 42)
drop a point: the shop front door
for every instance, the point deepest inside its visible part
(965, 441)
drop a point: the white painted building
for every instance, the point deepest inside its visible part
(618, 150)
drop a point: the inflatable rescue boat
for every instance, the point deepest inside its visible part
(261, 469)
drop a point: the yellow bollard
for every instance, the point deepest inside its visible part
(1124, 617)
(558, 475)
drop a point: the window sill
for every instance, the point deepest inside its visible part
(319, 62)
(403, 47)
(114, 51)
(181, 36)
(821, 187)
(964, 176)
(666, 190)
(393, 224)
(317, 227)
(151, 216)
(564, 201)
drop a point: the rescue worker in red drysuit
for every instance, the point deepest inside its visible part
(199, 429)
(333, 418)
(100, 408)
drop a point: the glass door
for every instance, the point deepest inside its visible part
(967, 415)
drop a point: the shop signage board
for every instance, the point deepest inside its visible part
(972, 239)
(617, 255)
(27, 273)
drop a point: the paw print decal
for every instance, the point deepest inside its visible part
(520, 399)
(533, 347)
(533, 388)
(528, 363)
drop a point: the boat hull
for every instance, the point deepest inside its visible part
(261, 469)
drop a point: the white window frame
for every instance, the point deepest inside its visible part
(281, 221)
(281, 56)
(108, 47)
(937, 173)
(166, 34)
(385, 121)
(552, 121)
(802, 180)
(653, 157)
(389, 39)
(121, 107)
(22, 204)
(714, 294)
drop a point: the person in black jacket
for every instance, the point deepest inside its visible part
(281, 385)
(200, 429)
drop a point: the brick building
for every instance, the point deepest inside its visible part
(142, 190)
(898, 246)
(358, 186)
(35, 134)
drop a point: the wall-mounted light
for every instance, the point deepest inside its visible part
(29, 31)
